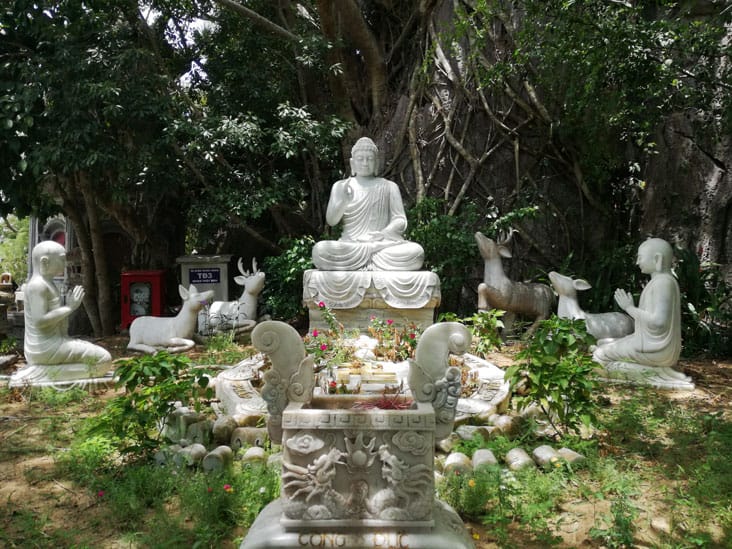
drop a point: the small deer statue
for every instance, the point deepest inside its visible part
(497, 291)
(173, 334)
(239, 315)
(604, 326)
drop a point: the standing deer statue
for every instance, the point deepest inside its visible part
(173, 334)
(497, 291)
(604, 326)
(239, 315)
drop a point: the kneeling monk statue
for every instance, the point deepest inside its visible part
(649, 355)
(52, 356)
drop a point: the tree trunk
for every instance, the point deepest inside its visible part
(105, 304)
(73, 210)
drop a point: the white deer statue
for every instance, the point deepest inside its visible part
(239, 315)
(604, 326)
(497, 291)
(174, 334)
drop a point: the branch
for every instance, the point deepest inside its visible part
(442, 60)
(257, 19)
(9, 226)
(355, 28)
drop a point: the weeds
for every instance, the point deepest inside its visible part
(620, 529)
(153, 383)
(222, 348)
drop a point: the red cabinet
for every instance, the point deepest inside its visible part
(142, 295)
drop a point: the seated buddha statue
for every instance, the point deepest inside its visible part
(371, 211)
(371, 270)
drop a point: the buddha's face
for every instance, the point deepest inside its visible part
(363, 163)
(646, 260)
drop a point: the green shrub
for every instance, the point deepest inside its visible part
(282, 293)
(9, 345)
(14, 247)
(222, 348)
(88, 459)
(53, 397)
(449, 246)
(132, 491)
(229, 498)
(620, 528)
(706, 306)
(499, 498)
(153, 383)
(555, 371)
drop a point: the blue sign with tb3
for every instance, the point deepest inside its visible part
(204, 276)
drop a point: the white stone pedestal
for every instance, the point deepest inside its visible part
(356, 296)
(448, 532)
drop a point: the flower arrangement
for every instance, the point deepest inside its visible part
(328, 346)
(394, 343)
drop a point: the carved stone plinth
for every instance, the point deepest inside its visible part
(346, 467)
(650, 376)
(356, 296)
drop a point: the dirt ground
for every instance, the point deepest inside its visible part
(30, 489)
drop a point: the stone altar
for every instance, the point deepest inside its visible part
(353, 473)
(371, 270)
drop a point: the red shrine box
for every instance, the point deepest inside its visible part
(142, 295)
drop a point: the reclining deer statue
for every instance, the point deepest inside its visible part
(239, 315)
(604, 326)
(173, 334)
(497, 291)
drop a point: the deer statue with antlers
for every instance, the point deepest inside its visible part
(239, 315)
(497, 291)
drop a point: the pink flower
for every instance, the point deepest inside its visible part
(323, 347)
(412, 336)
(100, 494)
(315, 333)
(372, 317)
(321, 305)
(389, 322)
(228, 488)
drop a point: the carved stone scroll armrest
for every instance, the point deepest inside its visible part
(432, 379)
(291, 378)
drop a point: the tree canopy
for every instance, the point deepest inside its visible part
(189, 123)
